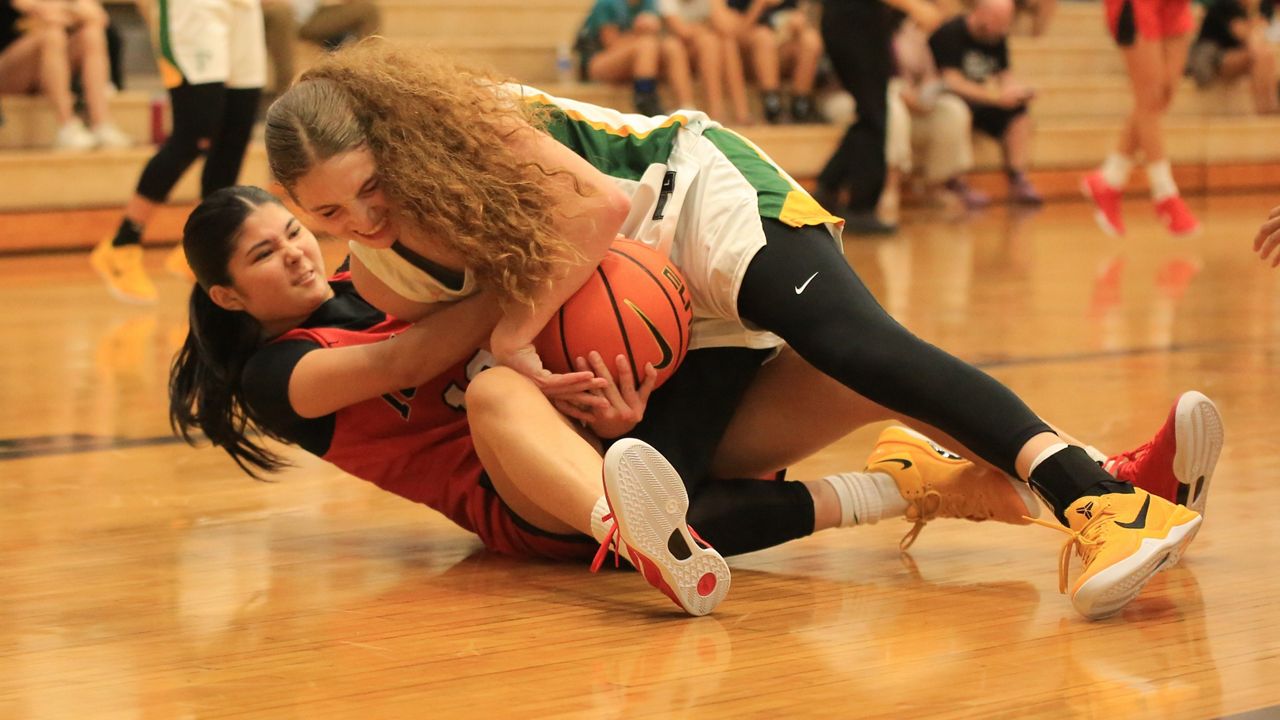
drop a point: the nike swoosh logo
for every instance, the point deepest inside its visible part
(902, 461)
(800, 289)
(1140, 521)
(663, 346)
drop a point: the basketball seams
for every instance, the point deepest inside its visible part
(622, 323)
(682, 341)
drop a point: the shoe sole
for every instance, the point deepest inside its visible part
(649, 503)
(1099, 217)
(1110, 590)
(1198, 431)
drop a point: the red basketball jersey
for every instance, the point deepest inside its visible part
(414, 442)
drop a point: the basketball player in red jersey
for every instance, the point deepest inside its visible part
(1154, 37)
(274, 347)
(446, 182)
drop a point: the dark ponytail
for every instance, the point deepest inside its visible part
(204, 380)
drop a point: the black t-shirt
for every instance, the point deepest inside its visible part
(1216, 25)
(954, 47)
(265, 378)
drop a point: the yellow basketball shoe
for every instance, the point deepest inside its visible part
(1123, 539)
(121, 269)
(176, 264)
(938, 483)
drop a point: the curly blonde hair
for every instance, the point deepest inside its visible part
(437, 132)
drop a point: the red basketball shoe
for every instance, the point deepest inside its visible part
(1177, 464)
(647, 503)
(1175, 216)
(1106, 203)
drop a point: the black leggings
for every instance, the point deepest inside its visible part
(209, 118)
(800, 287)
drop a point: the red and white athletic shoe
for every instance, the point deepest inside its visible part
(1106, 203)
(647, 503)
(1177, 464)
(1175, 216)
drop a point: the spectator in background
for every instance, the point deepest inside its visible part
(972, 53)
(329, 24)
(858, 36)
(923, 117)
(42, 43)
(1232, 43)
(622, 41)
(778, 37)
(709, 31)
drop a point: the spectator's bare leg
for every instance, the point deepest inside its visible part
(762, 46)
(38, 61)
(629, 57)
(735, 80)
(806, 53)
(710, 61)
(281, 31)
(88, 53)
(1017, 143)
(1262, 74)
(675, 65)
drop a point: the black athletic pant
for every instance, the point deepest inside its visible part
(800, 287)
(858, 39)
(209, 118)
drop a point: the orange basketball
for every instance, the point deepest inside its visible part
(635, 305)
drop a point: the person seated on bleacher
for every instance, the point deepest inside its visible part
(923, 117)
(42, 42)
(709, 31)
(329, 24)
(972, 52)
(778, 36)
(622, 41)
(1233, 43)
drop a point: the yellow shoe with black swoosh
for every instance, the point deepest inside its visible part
(937, 483)
(1123, 539)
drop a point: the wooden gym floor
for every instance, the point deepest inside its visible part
(142, 578)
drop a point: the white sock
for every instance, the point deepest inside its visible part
(1160, 175)
(1097, 455)
(1115, 170)
(599, 528)
(866, 498)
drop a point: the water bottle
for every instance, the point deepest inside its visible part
(159, 103)
(564, 64)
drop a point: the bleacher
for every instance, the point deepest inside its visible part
(1213, 136)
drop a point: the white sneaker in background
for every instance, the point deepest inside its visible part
(74, 136)
(110, 137)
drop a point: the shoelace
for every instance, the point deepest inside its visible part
(610, 542)
(975, 505)
(1085, 542)
(1133, 455)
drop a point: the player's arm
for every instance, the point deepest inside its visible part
(956, 82)
(329, 379)
(589, 218)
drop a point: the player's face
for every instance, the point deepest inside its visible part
(344, 198)
(277, 271)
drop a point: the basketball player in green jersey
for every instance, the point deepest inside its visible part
(444, 180)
